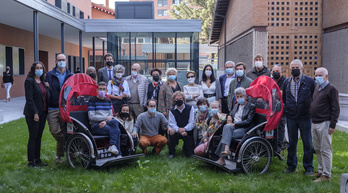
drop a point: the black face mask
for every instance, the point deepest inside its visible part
(92, 75)
(109, 63)
(7, 69)
(179, 102)
(124, 115)
(276, 75)
(295, 72)
(156, 78)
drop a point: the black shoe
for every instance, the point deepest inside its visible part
(289, 170)
(171, 156)
(309, 172)
(33, 165)
(40, 163)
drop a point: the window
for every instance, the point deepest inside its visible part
(68, 8)
(82, 15)
(13, 57)
(162, 3)
(73, 9)
(58, 3)
(176, 2)
(162, 12)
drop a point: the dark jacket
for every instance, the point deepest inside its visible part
(33, 97)
(54, 89)
(247, 116)
(253, 73)
(302, 107)
(222, 80)
(281, 83)
(7, 77)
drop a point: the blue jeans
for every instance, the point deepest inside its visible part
(305, 127)
(111, 129)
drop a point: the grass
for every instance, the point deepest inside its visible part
(150, 174)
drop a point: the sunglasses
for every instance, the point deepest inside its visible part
(191, 77)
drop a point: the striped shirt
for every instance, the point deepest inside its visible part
(99, 109)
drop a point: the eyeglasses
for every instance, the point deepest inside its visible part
(191, 77)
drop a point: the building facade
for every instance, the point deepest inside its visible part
(162, 7)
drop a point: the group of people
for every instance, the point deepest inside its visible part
(149, 109)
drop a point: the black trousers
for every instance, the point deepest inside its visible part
(224, 105)
(35, 134)
(188, 143)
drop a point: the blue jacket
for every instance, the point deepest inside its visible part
(54, 89)
(301, 108)
(222, 80)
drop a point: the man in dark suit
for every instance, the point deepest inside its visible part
(225, 81)
(106, 73)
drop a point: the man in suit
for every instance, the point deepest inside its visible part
(106, 73)
(225, 81)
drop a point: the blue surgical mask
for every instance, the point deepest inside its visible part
(203, 108)
(171, 77)
(214, 111)
(61, 64)
(152, 110)
(38, 73)
(319, 80)
(229, 70)
(240, 73)
(241, 101)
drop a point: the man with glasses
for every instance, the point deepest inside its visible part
(55, 80)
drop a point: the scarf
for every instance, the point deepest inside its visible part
(118, 83)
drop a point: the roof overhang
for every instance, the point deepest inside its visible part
(218, 20)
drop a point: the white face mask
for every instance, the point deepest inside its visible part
(119, 75)
(258, 64)
(208, 73)
(191, 80)
(134, 73)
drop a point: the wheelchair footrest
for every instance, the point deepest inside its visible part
(100, 136)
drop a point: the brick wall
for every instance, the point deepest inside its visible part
(334, 12)
(96, 14)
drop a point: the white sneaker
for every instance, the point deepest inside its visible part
(113, 149)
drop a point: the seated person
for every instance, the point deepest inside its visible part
(148, 124)
(100, 117)
(212, 123)
(243, 115)
(181, 124)
(200, 117)
(126, 120)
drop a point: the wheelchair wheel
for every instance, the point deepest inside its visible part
(256, 157)
(79, 151)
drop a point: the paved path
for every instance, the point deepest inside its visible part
(12, 110)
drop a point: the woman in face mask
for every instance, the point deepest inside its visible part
(210, 85)
(126, 120)
(165, 102)
(7, 82)
(35, 111)
(192, 91)
(91, 72)
(200, 117)
(118, 89)
(155, 85)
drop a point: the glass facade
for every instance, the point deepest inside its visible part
(160, 50)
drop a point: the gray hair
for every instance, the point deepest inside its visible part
(171, 69)
(90, 69)
(296, 61)
(119, 67)
(240, 90)
(215, 102)
(230, 62)
(278, 65)
(324, 70)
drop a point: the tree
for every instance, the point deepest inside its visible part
(196, 9)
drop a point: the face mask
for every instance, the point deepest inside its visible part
(134, 73)
(155, 78)
(241, 101)
(152, 110)
(61, 64)
(208, 73)
(276, 75)
(214, 111)
(119, 75)
(295, 72)
(179, 102)
(92, 75)
(109, 63)
(7, 69)
(203, 108)
(191, 80)
(125, 115)
(229, 70)
(38, 73)
(171, 77)
(240, 73)
(258, 64)
(319, 80)
(101, 94)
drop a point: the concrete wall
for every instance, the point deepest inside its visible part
(334, 12)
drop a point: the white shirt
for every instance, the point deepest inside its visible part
(191, 122)
(227, 84)
(210, 90)
(239, 114)
(113, 89)
(189, 91)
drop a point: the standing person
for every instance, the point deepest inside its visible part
(325, 110)
(240, 81)
(7, 82)
(35, 111)
(225, 81)
(259, 68)
(210, 85)
(55, 79)
(165, 100)
(77, 70)
(154, 86)
(148, 124)
(91, 72)
(277, 74)
(181, 124)
(192, 91)
(106, 73)
(297, 98)
(118, 89)
(138, 85)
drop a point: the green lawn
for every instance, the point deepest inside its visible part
(150, 174)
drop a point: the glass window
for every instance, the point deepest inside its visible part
(165, 46)
(162, 12)
(139, 50)
(15, 60)
(162, 3)
(2, 59)
(183, 46)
